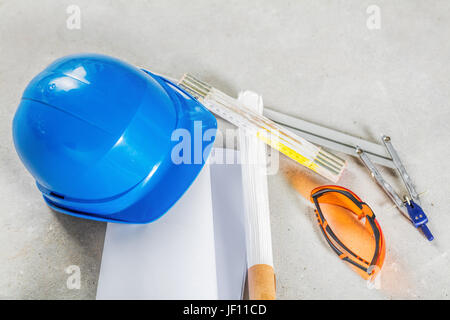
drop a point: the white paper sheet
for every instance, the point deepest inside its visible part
(171, 258)
(192, 252)
(229, 229)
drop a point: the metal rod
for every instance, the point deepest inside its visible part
(329, 138)
(383, 183)
(401, 169)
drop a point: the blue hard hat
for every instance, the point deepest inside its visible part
(108, 141)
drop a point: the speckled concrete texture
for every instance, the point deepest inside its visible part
(313, 59)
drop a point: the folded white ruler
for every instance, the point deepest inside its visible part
(195, 251)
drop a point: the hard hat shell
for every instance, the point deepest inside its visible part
(104, 139)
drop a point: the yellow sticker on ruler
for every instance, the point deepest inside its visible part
(276, 144)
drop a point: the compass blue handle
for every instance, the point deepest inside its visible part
(426, 232)
(418, 218)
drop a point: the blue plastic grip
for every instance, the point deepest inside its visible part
(426, 232)
(419, 218)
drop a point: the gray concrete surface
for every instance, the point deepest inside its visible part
(312, 59)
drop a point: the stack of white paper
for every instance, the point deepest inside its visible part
(195, 251)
